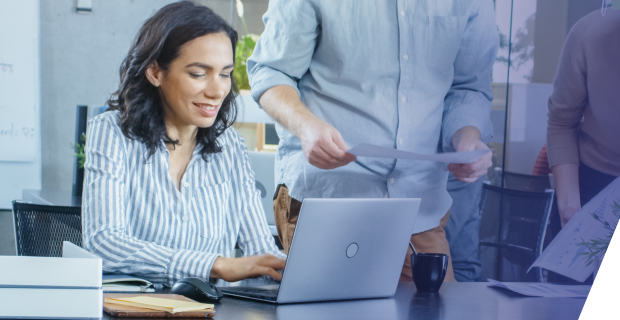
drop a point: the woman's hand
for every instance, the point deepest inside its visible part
(235, 269)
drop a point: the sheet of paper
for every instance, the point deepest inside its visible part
(564, 254)
(535, 289)
(369, 150)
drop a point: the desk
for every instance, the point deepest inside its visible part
(454, 301)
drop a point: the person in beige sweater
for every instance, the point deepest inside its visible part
(583, 133)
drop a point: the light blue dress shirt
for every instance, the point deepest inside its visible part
(139, 223)
(404, 74)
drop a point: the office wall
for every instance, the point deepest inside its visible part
(80, 57)
(554, 19)
(7, 237)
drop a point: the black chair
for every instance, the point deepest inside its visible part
(512, 230)
(526, 182)
(40, 229)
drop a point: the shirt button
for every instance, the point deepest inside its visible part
(405, 57)
(186, 184)
(401, 141)
(402, 13)
(404, 99)
(391, 180)
(184, 218)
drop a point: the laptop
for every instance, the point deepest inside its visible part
(342, 249)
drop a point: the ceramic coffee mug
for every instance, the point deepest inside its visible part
(429, 270)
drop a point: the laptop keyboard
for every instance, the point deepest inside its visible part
(265, 294)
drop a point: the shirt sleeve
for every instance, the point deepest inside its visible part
(567, 101)
(284, 50)
(254, 235)
(105, 217)
(468, 102)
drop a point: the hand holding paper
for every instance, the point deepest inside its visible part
(369, 150)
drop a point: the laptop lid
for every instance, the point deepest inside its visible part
(347, 249)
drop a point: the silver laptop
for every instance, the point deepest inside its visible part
(342, 249)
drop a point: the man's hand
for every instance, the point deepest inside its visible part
(323, 145)
(235, 269)
(468, 139)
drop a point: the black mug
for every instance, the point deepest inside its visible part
(429, 270)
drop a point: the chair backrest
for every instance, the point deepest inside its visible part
(263, 166)
(512, 230)
(41, 229)
(526, 182)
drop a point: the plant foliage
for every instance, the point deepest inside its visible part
(79, 151)
(596, 248)
(245, 47)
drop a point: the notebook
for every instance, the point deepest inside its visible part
(125, 283)
(168, 305)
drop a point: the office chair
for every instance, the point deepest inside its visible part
(40, 229)
(526, 182)
(512, 230)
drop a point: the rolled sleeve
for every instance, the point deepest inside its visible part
(468, 102)
(284, 50)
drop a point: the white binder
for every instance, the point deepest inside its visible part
(45, 287)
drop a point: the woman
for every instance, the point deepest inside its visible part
(168, 186)
(582, 132)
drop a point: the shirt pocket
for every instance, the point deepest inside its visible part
(443, 41)
(213, 205)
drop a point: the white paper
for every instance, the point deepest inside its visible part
(563, 255)
(369, 150)
(536, 289)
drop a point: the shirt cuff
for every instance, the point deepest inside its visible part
(187, 263)
(562, 155)
(456, 122)
(265, 78)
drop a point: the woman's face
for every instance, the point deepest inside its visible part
(197, 81)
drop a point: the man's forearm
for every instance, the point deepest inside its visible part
(282, 103)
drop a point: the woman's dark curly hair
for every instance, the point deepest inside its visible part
(159, 40)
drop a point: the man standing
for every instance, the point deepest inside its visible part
(411, 75)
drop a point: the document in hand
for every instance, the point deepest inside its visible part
(369, 150)
(543, 289)
(581, 244)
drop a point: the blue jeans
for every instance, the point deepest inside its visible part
(463, 228)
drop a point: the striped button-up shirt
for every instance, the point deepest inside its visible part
(139, 223)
